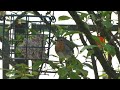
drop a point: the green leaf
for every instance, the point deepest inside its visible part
(110, 49)
(5, 69)
(84, 72)
(96, 38)
(93, 17)
(24, 78)
(107, 24)
(33, 31)
(31, 12)
(34, 73)
(86, 25)
(88, 65)
(118, 77)
(105, 13)
(37, 64)
(62, 72)
(88, 47)
(104, 75)
(90, 52)
(53, 65)
(12, 72)
(82, 15)
(65, 77)
(76, 64)
(63, 18)
(29, 75)
(15, 76)
(60, 31)
(74, 75)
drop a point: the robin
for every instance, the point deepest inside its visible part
(64, 48)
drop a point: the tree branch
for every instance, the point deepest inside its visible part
(95, 67)
(92, 57)
(107, 34)
(81, 26)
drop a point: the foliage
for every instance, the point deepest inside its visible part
(73, 70)
(72, 67)
(20, 71)
(110, 49)
(63, 18)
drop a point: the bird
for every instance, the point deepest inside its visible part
(64, 48)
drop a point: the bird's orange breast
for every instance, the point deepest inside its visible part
(59, 46)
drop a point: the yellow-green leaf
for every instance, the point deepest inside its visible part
(110, 49)
(63, 18)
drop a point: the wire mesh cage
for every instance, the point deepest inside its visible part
(23, 42)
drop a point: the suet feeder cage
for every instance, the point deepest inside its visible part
(25, 42)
